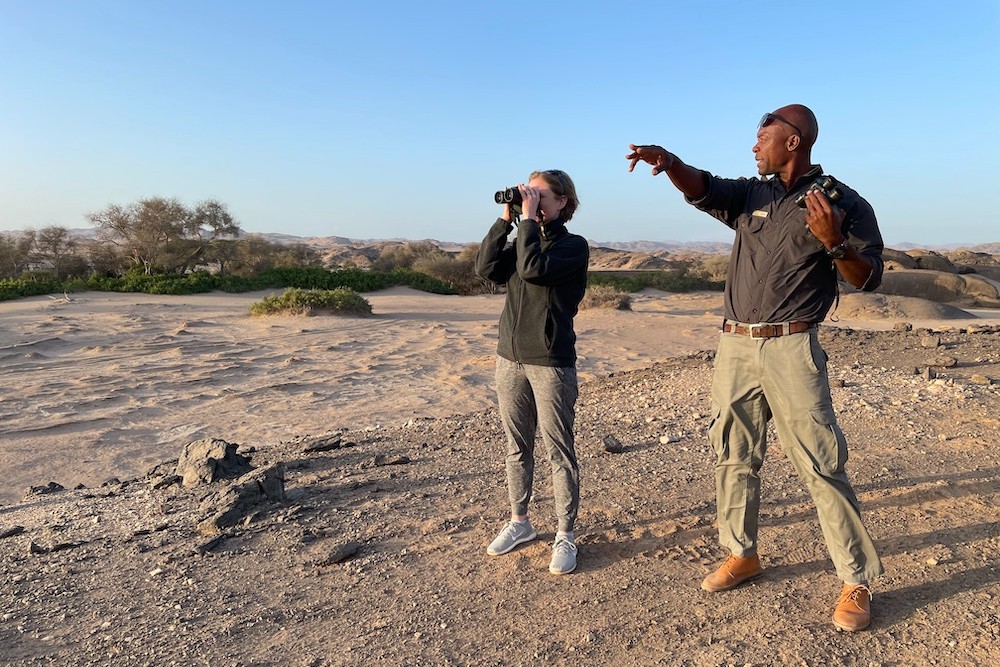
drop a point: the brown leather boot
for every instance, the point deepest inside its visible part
(732, 573)
(854, 611)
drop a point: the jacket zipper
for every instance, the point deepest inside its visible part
(517, 320)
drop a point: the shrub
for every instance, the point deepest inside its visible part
(405, 255)
(606, 296)
(668, 281)
(310, 278)
(21, 287)
(418, 281)
(295, 301)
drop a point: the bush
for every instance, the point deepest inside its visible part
(21, 287)
(405, 255)
(713, 268)
(605, 296)
(155, 283)
(295, 301)
(136, 280)
(458, 271)
(353, 279)
(668, 281)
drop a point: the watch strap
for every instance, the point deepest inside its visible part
(838, 251)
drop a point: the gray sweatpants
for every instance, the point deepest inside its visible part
(783, 378)
(542, 399)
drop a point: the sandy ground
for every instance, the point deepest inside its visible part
(106, 385)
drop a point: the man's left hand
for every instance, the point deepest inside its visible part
(824, 219)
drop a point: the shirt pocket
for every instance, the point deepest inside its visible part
(755, 222)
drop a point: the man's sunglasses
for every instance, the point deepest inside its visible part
(769, 118)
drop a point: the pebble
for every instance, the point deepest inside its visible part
(930, 342)
(612, 444)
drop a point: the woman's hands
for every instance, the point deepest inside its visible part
(530, 198)
(529, 201)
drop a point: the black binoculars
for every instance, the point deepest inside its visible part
(825, 184)
(510, 196)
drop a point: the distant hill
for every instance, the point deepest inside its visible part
(652, 247)
(989, 248)
(330, 241)
(647, 247)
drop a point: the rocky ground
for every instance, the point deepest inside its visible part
(376, 553)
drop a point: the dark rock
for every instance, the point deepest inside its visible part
(233, 504)
(51, 487)
(944, 361)
(165, 481)
(209, 460)
(613, 444)
(385, 460)
(163, 475)
(930, 342)
(340, 554)
(38, 549)
(322, 444)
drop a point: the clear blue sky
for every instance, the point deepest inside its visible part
(396, 119)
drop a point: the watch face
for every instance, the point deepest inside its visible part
(837, 251)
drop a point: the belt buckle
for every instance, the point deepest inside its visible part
(770, 330)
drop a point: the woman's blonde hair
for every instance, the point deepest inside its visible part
(562, 186)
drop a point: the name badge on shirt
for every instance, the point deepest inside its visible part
(756, 221)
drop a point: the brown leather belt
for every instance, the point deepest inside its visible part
(767, 330)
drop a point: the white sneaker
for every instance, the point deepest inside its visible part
(511, 535)
(563, 557)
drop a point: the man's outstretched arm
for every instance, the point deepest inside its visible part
(689, 180)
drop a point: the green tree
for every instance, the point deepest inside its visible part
(105, 259)
(55, 246)
(256, 254)
(456, 270)
(163, 234)
(16, 253)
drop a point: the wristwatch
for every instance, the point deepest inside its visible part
(838, 251)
